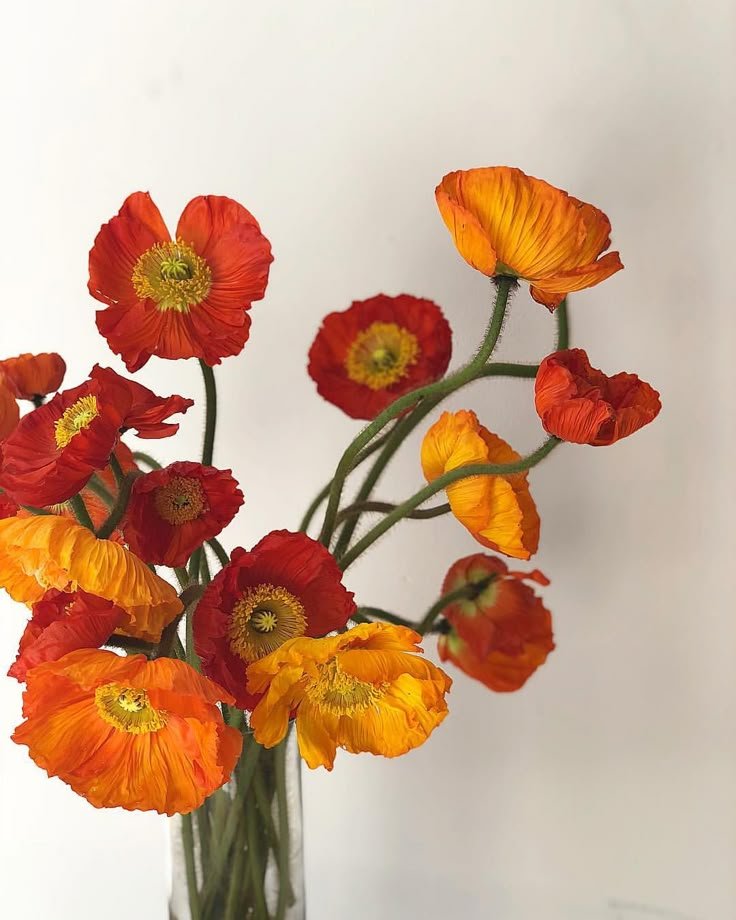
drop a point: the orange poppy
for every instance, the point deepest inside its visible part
(179, 298)
(287, 586)
(497, 510)
(55, 449)
(128, 732)
(370, 354)
(504, 222)
(33, 376)
(9, 412)
(174, 510)
(501, 634)
(579, 403)
(61, 622)
(363, 690)
(45, 551)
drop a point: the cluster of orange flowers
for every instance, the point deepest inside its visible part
(84, 526)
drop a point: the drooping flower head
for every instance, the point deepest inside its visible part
(287, 586)
(46, 551)
(127, 732)
(174, 510)
(504, 222)
(33, 376)
(63, 621)
(180, 298)
(501, 634)
(55, 449)
(579, 403)
(363, 690)
(497, 510)
(370, 354)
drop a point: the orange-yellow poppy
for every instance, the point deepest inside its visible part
(46, 551)
(362, 690)
(128, 732)
(504, 222)
(497, 510)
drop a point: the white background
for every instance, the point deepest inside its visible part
(606, 789)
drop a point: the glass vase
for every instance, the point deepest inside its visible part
(239, 856)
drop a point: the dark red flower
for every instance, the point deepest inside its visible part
(55, 449)
(62, 622)
(174, 510)
(288, 585)
(370, 354)
(33, 376)
(578, 403)
(179, 298)
(501, 633)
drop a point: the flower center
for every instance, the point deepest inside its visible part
(172, 275)
(181, 500)
(341, 693)
(75, 419)
(263, 619)
(128, 709)
(381, 355)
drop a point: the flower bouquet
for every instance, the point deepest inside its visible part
(163, 672)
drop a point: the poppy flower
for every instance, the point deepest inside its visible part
(8, 508)
(127, 732)
(180, 298)
(45, 551)
(501, 634)
(33, 376)
(174, 510)
(504, 222)
(9, 412)
(61, 622)
(370, 354)
(579, 403)
(287, 586)
(497, 510)
(363, 690)
(55, 449)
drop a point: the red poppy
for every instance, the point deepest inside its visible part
(501, 634)
(33, 376)
(174, 510)
(370, 354)
(579, 403)
(179, 298)
(9, 412)
(62, 622)
(287, 586)
(55, 449)
(8, 508)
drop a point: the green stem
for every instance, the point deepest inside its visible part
(188, 840)
(117, 470)
(140, 457)
(502, 369)
(466, 591)
(369, 614)
(282, 803)
(80, 512)
(219, 551)
(255, 864)
(353, 511)
(432, 488)
(33, 510)
(98, 487)
(130, 645)
(210, 390)
(116, 515)
(204, 569)
(563, 327)
(440, 388)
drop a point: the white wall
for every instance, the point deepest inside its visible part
(609, 780)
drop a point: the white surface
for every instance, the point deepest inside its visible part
(605, 789)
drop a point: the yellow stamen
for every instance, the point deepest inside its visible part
(181, 500)
(341, 693)
(128, 709)
(172, 275)
(263, 619)
(381, 355)
(75, 419)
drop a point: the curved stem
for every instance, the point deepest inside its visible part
(507, 369)
(98, 487)
(463, 472)
(116, 515)
(210, 391)
(117, 470)
(353, 511)
(219, 551)
(140, 457)
(470, 590)
(440, 388)
(80, 512)
(369, 614)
